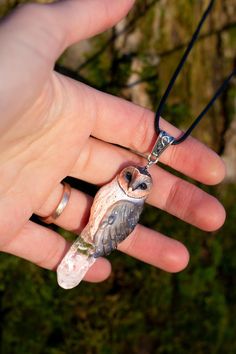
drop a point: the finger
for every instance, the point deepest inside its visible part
(46, 248)
(170, 193)
(57, 25)
(186, 201)
(76, 213)
(156, 249)
(87, 17)
(121, 122)
(134, 128)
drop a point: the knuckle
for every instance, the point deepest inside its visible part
(142, 138)
(180, 199)
(52, 257)
(172, 156)
(8, 240)
(85, 159)
(131, 241)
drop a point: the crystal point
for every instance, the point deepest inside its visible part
(73, 268)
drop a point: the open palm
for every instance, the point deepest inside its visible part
(53, 127)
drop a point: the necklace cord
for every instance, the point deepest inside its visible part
(205, 110)
(176, 74)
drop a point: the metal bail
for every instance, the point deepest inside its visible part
(164, 140)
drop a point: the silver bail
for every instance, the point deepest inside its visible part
(163, 141)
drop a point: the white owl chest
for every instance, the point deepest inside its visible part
(106, 197)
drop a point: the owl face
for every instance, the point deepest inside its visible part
(136, 182)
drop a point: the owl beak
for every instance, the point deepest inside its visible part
(133, 186)
(134, 183)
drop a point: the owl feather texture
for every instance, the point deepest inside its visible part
(114, 214)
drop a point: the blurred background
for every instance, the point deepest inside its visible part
(139, 309)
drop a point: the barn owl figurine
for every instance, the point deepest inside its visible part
(114, 214)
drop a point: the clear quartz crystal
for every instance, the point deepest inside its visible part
(73, 268)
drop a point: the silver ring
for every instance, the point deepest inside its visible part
(61, 205)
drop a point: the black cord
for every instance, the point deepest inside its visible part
(175, 75)
(208, 106)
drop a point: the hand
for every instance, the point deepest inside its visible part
(48, 128)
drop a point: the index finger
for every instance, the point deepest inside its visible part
(124, 123)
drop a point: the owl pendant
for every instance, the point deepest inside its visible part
(114, 214)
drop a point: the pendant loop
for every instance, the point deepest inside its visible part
(163, 141)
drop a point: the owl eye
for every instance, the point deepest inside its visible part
(143, 186)
(128, 176)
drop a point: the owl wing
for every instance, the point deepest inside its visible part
(118, 222)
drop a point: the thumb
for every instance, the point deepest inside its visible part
(55, 26)
(80, 19)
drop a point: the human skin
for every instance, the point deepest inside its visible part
(52, 127)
